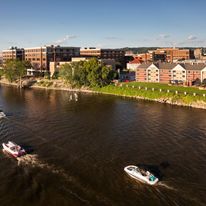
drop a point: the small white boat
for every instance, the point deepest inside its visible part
(13, 149)
(141, 175)
(2, 115)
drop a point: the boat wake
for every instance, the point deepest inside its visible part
(165, 186)
(34, 161)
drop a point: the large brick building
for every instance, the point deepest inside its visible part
(170, 72)
(40, 57)
(13, 53)
(167, 55)
(117, 54)
(173, 54)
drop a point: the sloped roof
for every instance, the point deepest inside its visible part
(198, 66)
(164, 65)
(144, 65)
(135, 61)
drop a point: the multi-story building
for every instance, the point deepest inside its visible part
(173, 54)
(116, 54)
(200, 53)
(40, 57)
(167, 55)
(146, 57)
(170, 72)
(13, 53)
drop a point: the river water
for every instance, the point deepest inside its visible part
(78, 150)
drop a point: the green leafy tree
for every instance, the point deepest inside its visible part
(204, 82)
(47, 75)
(93, 68)
(10, 70)
(20, 70)
(79, 74)
(66, 72)
(15, 69)
(87, 73)
(55, 75)
(1, 73)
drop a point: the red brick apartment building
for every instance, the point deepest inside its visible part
(170, 72)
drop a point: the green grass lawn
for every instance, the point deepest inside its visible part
(131, 89)
(166, 87)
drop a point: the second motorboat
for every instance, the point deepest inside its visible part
(141, 175)
(2, 115)
(13, 149)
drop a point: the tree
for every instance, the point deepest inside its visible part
(20, 71)
(55, 75)
(10, 71)
(65, 72)
(204, 82)
(79, 74)
(1, 73)
(87, 73)
(47, 75)
(15, 69)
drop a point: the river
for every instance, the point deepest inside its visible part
(78, 150)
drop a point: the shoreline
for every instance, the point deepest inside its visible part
(161, 101)
(197, 104)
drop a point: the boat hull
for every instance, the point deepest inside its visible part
(2, 115)
(138, 176)
(19, 153)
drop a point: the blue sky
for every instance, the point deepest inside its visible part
(105, 23)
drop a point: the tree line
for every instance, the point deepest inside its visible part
(92, 73)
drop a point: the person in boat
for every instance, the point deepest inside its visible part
(143, 172)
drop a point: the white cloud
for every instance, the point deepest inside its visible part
(192, 38)
(65, 39)
(164, 36)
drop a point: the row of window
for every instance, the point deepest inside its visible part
(34, 50)
(174, 71)
(35, 59)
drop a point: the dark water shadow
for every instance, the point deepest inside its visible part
(28, 149)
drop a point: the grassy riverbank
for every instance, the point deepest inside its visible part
(163, 93)
(177, 95)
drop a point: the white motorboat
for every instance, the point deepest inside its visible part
(141, 175)
(13, 149)
(2, 115)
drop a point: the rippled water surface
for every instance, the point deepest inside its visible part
(78, 150)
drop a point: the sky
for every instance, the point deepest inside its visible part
(105, 23)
